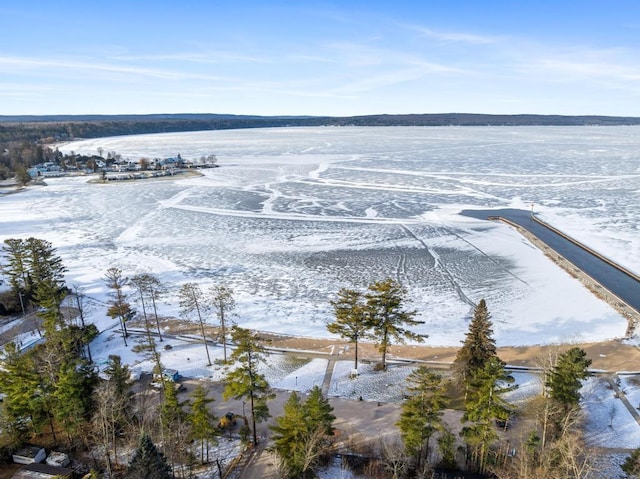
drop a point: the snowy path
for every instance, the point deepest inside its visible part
(623, 397)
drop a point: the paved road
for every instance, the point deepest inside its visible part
(619, 283)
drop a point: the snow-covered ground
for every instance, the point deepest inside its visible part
(608, 423)
(292, 215)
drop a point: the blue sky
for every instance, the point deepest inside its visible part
(320, 58)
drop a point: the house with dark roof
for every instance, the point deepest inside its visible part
(42, 471)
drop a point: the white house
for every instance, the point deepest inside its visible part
(29, 455)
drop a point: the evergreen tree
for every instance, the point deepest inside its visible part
(478, 348)
(387, 317)
(119, 307)
(288, 436)
(16, 268)
(50, 296)
(19, 382)
(318, 412)
(29, 263)
(422, 411)
(244, 381)
(54, 375)
(564, 379)
(175, 425)
(446, 446)
(119, 375)
(300, 434)
(73, 397)
(192, 299)
(172, 409)
(147, 462)
(631, 465)
(44, 265)
(202, 420)
(22, 175)
(351, 321)
(141, 284)
(483, 406)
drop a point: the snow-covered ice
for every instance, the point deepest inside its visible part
(294, 214)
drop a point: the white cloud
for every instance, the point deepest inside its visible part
(71, 68)
(462, 37)
(612, 67)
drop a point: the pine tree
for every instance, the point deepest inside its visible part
(49, 296)
(44, 264)
(563, 382)
(387, 316)
(29, 263)
(446, 447)
(119, 307)
(16, 268)
(202, 420)
(318, 412)
(479, 347)
(631, 465)
(244, 381)
(149, 288)
(351, 321)
(483, 406)
(22, 175)
(73, 397)
(300, 434)
(176, 427)
(55, 384)
(172, 409)
(422, 411)
(288, 436)
(147, 462)
(119, 375)
(19, 382)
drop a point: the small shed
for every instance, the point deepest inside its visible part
(42, 471)
(29, 454)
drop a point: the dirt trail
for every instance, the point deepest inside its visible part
(609, 355)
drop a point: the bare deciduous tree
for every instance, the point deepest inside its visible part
(221, 298)
(192, 299)
(391, 453)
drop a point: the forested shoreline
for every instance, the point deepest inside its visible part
(24, 139)
(49, 128)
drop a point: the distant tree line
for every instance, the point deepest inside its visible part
(22, 137)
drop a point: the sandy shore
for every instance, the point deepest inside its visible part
(612, 356)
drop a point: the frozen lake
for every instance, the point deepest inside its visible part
(292, 215)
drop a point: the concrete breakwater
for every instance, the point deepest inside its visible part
(608, 280)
